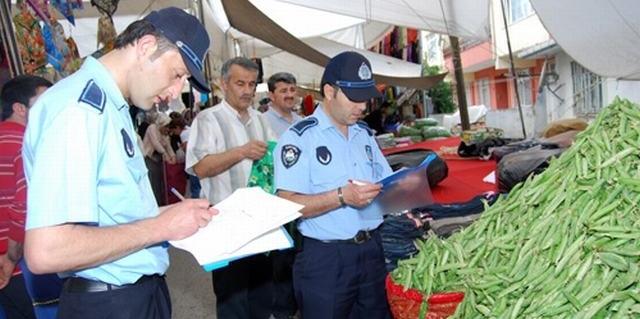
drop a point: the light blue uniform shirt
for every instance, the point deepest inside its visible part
(279, 123)
(313, 157)
(83, 165)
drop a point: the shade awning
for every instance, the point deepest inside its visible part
(603, 36)
(245, 17)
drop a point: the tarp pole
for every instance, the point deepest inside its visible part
(462, 95)
(9, 40)
(514, 75)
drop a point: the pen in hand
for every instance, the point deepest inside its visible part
(180, 197)
(175, 192)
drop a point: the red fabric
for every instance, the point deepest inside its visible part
(412, 35)
(13, 187)
(176, 178)
(308, 105)
(465, 175)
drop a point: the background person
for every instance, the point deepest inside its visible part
(223, 143)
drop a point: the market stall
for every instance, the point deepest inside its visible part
(561, 244)
(465, 178)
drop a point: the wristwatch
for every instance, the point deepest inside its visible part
(341, 197)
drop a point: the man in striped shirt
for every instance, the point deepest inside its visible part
(17, 96)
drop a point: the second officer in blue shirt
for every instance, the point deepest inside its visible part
(340, 272)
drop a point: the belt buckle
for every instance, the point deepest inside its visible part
(361, 237)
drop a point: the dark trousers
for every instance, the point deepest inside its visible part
(341, 280)
(155, 166)
(243, 289)
(284, 302)
(147, 300)
(15, 300)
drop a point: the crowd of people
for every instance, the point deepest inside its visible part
(94, 191)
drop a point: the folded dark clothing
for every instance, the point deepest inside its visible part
(473, 206)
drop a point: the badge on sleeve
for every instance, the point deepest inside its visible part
(290, 155)
(367, 149)
(128, 144)
(323, 155)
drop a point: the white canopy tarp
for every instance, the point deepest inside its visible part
(309, 74)
(603, 36)
(462, 18)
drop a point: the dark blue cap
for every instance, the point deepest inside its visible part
(189, 35)
(351, 71)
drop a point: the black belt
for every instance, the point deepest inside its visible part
(360, 238)
(78, 284)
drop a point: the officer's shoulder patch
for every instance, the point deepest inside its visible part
(365, 127)
(93, 95)
(304, 125)
(290, 155)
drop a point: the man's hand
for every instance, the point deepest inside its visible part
(169, 159)
(254, 150)
(183, 219)
(360, 195)
(6, 270)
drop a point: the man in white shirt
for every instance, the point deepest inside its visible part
(223, 143)
(282, 92)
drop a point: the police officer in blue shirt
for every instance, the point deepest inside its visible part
(330, 163)
(91, 214)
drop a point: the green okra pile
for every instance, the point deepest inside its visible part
(562, 244)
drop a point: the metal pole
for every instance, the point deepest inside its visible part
(207, 65)
(514, 76)
(9, 40)
(462, 95)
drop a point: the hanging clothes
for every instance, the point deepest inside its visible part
(30, 40)
(66, 9)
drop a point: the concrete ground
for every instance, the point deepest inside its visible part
(190, 287)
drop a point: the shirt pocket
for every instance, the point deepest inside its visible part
(327, 178)
(376, 170)
(137, 168)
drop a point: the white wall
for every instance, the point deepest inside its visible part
(626, 89)
(557, 109)
(509, 121)
(523, 34)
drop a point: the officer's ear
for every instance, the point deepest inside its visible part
(20, 109)
(329, 91)
(146, 46)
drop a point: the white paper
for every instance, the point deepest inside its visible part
(244, 216)
(491, 178)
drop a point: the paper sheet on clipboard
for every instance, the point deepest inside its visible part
(405, 189)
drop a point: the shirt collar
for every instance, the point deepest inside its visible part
(105, 81)
(324, 122)
(277, 114)
(235, 113)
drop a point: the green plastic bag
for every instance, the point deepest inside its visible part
(262, 170)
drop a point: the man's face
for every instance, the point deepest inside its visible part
(284, 96)
(156, 80)
(239, 89)
(342, 110)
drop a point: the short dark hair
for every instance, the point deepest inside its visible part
(20, 90)
(176, 123)
(280, 77)
(243, 62)
(137, 30)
